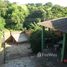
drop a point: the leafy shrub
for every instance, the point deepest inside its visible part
(35, 40)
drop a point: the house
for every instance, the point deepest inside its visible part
(59, 24)
(16, 38)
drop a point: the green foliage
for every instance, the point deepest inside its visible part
(36, 16)
(2, 23)
(3, 4)
(57, 11)
(35, 38)
(34, 26)
(3, 8)
(15, 16)
(29, 21)
(39, 12)
(19, 16)
(35, 41)
(31, 7)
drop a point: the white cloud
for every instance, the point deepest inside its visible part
(59, 2)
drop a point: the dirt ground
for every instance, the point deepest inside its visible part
(26, 60)
(15, 51)
(20, 56)
(34, 61)
(20, 50)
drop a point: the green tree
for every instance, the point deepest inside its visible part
(3, 8)
(36, 16)
(16, 15)
(2, 23)
(31, 7)
(65, 12)
(57, 11)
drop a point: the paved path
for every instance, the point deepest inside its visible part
(34, 61)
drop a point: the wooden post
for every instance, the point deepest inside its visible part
(63, 47)
(4, 47)
(42, 39)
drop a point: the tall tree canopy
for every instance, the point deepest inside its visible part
(16, 16)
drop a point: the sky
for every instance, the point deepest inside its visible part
(59, 2)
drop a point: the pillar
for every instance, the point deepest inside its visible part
(63, 46)
(42, 39)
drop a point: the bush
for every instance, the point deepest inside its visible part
(35, 40)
